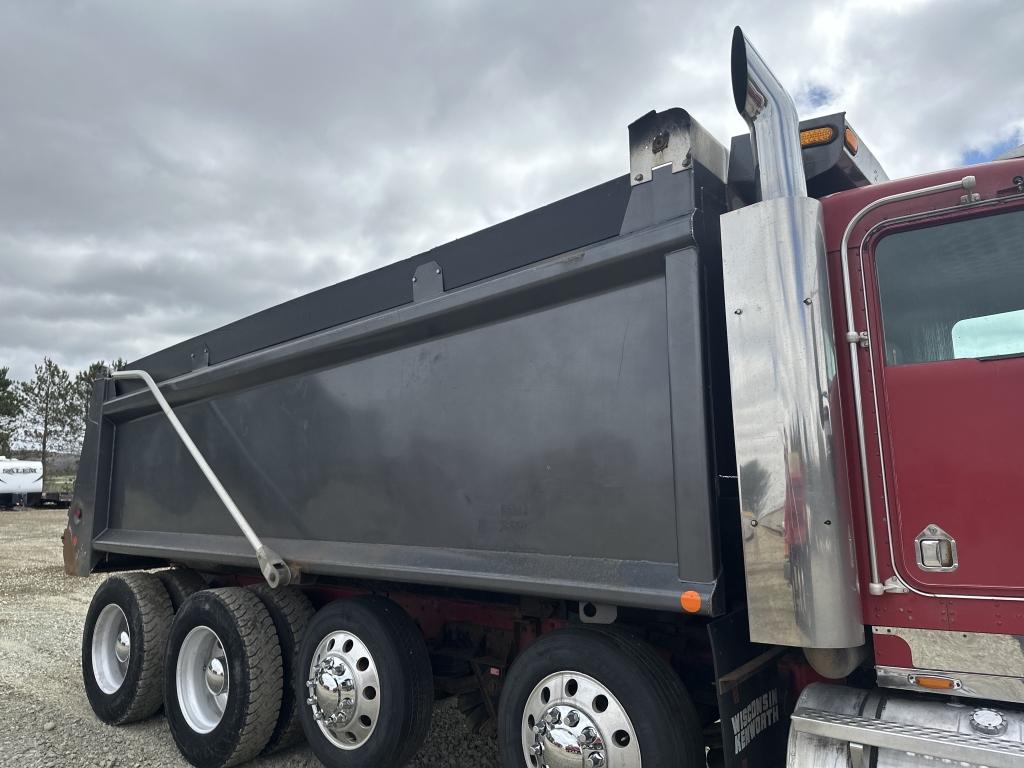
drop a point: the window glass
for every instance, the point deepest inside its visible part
(989, 336)
(953, 290)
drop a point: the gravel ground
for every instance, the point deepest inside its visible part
(45, 719)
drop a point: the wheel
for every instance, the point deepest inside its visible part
(596, 697)
(222, 677)
(123, 647)
(369, 690)
(181, 584)
(291, 612)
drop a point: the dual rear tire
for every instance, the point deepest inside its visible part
(242, 672)
(223, 677)
(220, 662)
(124, 646)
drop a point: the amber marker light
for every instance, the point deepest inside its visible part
(851, 141)
(813, 137)
(933, 683)
(690, 601)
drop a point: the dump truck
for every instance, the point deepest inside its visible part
(715, 463)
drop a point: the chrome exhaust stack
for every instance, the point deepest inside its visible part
(798, 543)
(771, 116)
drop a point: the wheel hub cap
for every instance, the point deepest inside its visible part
(111, 648)
(335, 692)
(202, 679)
(567, 738)
(344, 690)
(123, 646)
(572, 721)
(216, 676)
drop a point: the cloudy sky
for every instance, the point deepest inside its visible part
(167, 167)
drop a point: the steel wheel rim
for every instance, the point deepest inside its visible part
(344, 690)
(111, 648)
(572, 719)
(202, 679)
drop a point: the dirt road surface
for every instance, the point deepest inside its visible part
(45, 719)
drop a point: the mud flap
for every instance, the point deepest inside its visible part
(754, 700)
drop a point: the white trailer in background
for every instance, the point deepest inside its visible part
(20, 481)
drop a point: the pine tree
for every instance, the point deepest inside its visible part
(49, 410)
(83, 394)
(10, 409)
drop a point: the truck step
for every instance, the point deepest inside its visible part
(969, 749)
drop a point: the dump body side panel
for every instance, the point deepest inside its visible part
(544, 431)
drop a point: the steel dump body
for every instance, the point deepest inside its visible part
(545, 429)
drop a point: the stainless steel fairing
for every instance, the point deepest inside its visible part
(798, 539)
(798, 536)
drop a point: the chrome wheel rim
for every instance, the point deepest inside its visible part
(344, 690)
(201, 678)
(111, 648)
(573, 721)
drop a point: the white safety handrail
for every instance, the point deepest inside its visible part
(274, 569)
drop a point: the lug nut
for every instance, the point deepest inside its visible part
(540, 728)
(572, 719)
(553, 716)
(596, 760)
(587, 736)
(536, 749)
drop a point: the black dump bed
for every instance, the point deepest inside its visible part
(530, 409)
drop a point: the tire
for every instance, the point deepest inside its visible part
(380, 650)
(123, 691)
(615, 684)
(226, 631)
(291, 613)
(181, 584)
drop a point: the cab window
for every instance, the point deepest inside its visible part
(953, 290)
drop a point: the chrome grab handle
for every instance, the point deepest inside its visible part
(274, 569)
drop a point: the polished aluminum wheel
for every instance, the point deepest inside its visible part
(111, 648)
(572, 721)
(344, 690)
(201, 679)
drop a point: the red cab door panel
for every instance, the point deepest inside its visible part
(949, 297)
(956, 430)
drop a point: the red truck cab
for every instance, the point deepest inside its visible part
(938, 287)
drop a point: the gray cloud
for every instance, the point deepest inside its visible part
(168, 167)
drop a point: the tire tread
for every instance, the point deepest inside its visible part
(181, 584)
(291, 611)
(421, 681)
(156, 614)
(263, 660)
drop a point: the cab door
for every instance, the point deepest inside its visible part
(949, 372)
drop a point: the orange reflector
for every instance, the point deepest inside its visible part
(813, 137)
(934, 683)
(851, 141)
(690, 601)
